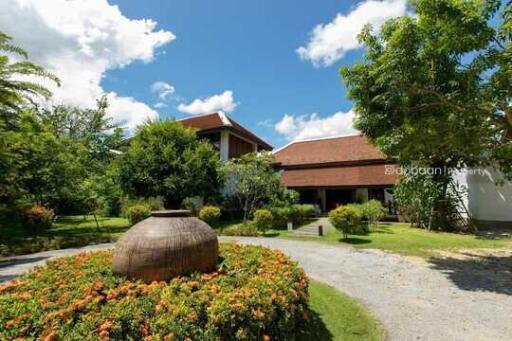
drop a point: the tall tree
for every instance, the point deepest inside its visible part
(167, 159)
(434, 89)
(16, 88)
(252, 180)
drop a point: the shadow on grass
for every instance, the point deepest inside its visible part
(354, 240)
(478, 273)
(314, 329)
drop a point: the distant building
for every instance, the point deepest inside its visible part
(228, 136)
(333, 171)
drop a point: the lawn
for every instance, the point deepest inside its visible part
(403, 239)
(338, 317)
(67, 231)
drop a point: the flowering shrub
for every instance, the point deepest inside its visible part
(37, 217)
(256, 293)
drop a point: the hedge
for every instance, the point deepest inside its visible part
(256, 293)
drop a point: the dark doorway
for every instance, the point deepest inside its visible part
(335, 197)
(308, 196)
(376, 194)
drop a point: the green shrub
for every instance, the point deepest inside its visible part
(210, 215)
(304, 212)
(138, 213)
(373, 211)
(37, 217)
(244, 230)
(295, 214)
(255, 293)
(262, 220)
(193, 204)
(346, 218)
(153, 203)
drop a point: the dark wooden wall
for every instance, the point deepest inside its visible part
(238, 147)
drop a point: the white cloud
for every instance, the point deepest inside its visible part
(224, 102)
(312, 126)
(160, 105)
(329, 42)
(163, 89)
(80, 41)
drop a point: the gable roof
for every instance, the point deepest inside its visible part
(219, 120)
(346, 149)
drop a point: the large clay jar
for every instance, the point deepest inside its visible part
(166, 245)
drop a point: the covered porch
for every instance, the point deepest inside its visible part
(328, 198)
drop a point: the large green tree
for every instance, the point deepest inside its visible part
(434, 89)
(167, 159)
(17, 88)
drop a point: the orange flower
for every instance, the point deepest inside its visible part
(53, 336)
(104, 335)
(111, 295)
(266, 338)
(258, 314)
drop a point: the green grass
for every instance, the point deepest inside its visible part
(67, 231)
(335, 316)
(406, 240)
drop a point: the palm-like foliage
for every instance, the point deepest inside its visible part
(15, 90)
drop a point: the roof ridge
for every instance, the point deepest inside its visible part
(198, 115)
(315, 139)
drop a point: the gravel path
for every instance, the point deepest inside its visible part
(415, 300)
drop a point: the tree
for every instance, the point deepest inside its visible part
(90, 127)
(15, 90)
(251, 179)
(434, 90)
(39, 167)
(167, 159)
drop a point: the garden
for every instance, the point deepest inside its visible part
(253, 293)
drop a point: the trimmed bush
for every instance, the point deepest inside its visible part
(256, 293)
(304, 212)
(262, 220)
(138, 213)
(37, 217)
(295, 214)
(373, 211)
(210, 215)
(346, 218)
(244, 230)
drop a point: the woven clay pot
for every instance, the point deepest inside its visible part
(166, 245)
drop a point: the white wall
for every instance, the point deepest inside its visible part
(485, 200)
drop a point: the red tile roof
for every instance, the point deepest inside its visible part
(330, 150)
(219, 120)
(361, 176)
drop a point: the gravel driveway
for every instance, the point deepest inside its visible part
(414, 299)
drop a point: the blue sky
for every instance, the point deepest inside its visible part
(176, 58)
(247, 47)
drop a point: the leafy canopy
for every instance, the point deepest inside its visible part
(435, 89)
(167, 159)
(251, 180)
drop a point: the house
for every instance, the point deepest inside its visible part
(487, 197)
(228, 136)
(333, 171)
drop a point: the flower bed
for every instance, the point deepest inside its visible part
(256, 293)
